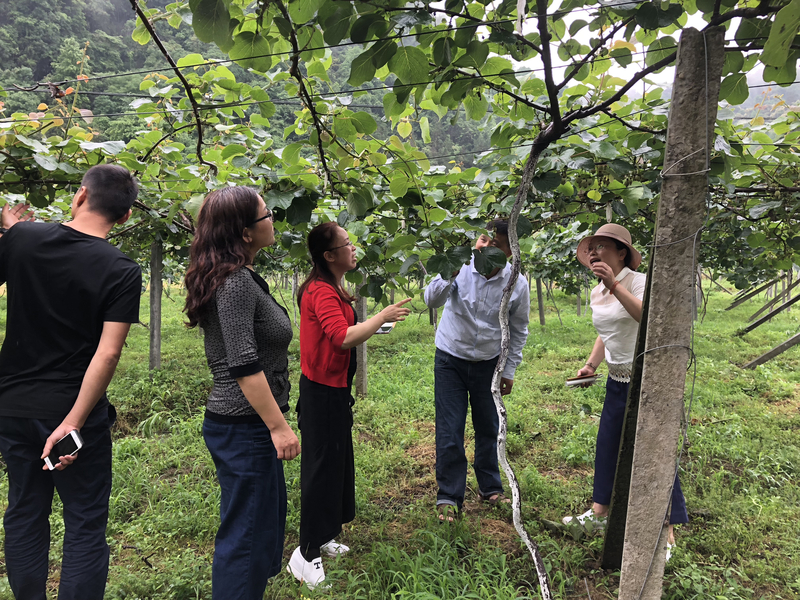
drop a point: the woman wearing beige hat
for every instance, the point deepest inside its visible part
(616, 311)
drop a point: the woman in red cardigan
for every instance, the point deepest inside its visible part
(329, 333)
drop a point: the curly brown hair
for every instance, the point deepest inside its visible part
(218, 248)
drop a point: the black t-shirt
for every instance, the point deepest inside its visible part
(62, 285)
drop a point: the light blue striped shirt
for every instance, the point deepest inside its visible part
(470, 326)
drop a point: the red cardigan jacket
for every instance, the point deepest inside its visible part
(324, 319)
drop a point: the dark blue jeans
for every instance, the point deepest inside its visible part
(249, 543)
(458, 384)
(84, 488)
(608, 440)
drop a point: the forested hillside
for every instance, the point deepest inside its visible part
(45, 42)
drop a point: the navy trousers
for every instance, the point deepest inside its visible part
(608, 440)
(84, 488)
(458, 384)
(248, 547)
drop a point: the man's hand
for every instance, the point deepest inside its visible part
(60, 432)
(11, 215)
(505, 386)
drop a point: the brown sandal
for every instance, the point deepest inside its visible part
(495, 498)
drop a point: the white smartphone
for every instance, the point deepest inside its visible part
(66, 446)
(386, 327)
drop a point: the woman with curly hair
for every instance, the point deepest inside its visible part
(247, 335)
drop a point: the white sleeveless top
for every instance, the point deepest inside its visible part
(615, 326)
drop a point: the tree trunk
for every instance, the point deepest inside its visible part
(679, 222)
(540, 301)
(361, 351)
(156, 287)
(294, 295)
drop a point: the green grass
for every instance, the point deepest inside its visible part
(740, 474)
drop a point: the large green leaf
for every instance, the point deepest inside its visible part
(250, 51)
(365, 27)
(604, 150)
(410, 64)
(488, 259)
(781, 35)
(734, 88)
(476, 54)
(382, 52)
(301, 11)
(300, 210)
(444, 265)
(338, 24)
(211, 22)
(475, 105)
(365, 123)
(659, 50)
(362, 70)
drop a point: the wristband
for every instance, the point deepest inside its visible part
(588, 364)
(613, 285)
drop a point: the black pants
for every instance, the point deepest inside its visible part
(327, 468)
(84, 489)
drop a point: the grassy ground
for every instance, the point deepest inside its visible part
(739, 475)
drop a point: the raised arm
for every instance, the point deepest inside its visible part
(438, 290)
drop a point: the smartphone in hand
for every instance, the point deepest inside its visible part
(66, 446)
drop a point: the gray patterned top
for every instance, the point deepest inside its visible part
(245, 331)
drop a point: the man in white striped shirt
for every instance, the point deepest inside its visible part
(467, 348)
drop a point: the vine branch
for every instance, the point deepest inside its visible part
(187, 86)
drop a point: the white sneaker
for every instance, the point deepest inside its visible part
(670, 548)
(334, 548)
(310, 572)
(587, 518)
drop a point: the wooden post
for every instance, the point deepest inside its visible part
(771, 314)
(294, 296)
(791, 342)
(744, 295)
(579, 301)
(361, 350)
(156, 287)
(540, 301)
(690, 137)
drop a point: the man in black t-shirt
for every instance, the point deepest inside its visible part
(71, 297)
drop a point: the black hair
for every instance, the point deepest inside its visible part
(111, 190)
(498, 226)
(628, 253)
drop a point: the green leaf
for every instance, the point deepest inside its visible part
(338, 24)
(392, 107)
(623, 56)
(476, 54)
(383, 51)
(443, 52)
(291, 153)
(344, 128)
(300, 210)
(603, 150)
(358, 202)
(437, 215)
(765, 207)
(460, 255)
(278, 199)
(441, 264)
(734, 88)
(475, 105)
(410, 64)
(488, 259)
(781, 35)
(302, 11)
(399, 185)
(233, 150)
(365, 123)
(524, 227)
(211, 22)
(547, 181)
(426, 130)
(659, 50)
(410, 262)
(404, 129)
(360, 31)
(362, 70)
(191, 59)
(403, 242)
(108, 147)
(141, 34)
(647, 16)
(48, 163)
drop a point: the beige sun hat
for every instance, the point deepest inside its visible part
(615, 232)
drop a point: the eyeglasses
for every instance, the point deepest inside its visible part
(598, 248)
(269, 216)
(347, 245)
